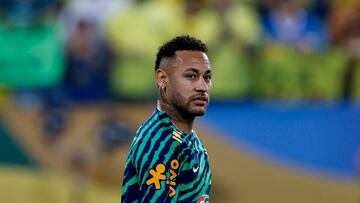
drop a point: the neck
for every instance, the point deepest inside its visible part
(181, 121)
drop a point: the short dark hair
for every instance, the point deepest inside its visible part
(179, 43)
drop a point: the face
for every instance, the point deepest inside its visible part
(189, 83)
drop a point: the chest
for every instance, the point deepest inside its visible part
(196, 169)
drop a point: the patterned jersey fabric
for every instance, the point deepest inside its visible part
(166, 165)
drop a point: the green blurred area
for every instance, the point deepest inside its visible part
(133, 79)
(356, 82)
(288, 74)
(231, 77)
(30, 57)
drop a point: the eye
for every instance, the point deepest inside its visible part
(191, 76)
(207, 77)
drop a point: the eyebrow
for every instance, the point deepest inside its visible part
(197, 71)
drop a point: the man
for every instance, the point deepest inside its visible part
(167, 161)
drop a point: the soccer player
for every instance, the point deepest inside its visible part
(167, 162)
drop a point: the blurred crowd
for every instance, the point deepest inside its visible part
(56, 51)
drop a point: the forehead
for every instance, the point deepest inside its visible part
(192, 59)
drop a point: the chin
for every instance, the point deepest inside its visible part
(198, 112)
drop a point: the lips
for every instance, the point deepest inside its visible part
(200, 100)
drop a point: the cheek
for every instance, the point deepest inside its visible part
(180, 94)
(182, 87)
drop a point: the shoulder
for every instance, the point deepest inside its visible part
(157, 141)
(156, 123)
(156, 137)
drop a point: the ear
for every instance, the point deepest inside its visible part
(161, 78)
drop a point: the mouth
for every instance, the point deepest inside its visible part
(200, 101)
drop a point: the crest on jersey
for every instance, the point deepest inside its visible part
(204, 199)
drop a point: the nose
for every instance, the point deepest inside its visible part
(202, 86)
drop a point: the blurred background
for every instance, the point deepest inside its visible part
(77, 79)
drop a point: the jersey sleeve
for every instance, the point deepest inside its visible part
(158, 164)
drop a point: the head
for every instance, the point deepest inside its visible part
(183, 76)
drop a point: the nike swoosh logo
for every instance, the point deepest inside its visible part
(195, 169)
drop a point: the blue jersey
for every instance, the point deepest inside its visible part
(166, 165)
